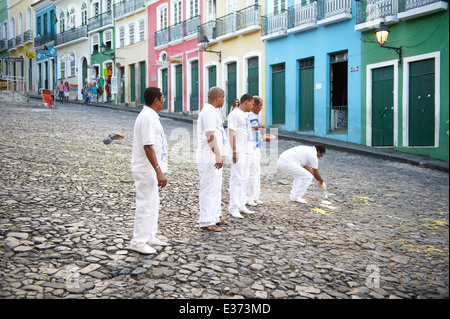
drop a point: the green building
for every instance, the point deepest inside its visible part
(405, 96)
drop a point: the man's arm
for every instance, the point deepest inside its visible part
(212, 142)
(232, 135)
(150, 153)
(315, 173)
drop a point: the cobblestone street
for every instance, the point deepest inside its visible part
(67, 204)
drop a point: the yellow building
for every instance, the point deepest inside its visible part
(131, 51)
(233, 31)
(20, 45)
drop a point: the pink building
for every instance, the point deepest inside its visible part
(174, 58)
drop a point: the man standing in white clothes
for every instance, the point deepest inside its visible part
(302, 163)
(239, 131)
(211, 147)
(148, 164)
(254, 184)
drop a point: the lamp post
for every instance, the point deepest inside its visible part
(204, 43)
(382, 33)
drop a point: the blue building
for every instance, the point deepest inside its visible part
(46, 53)
(313, 61)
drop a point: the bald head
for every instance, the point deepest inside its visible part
(216, 96)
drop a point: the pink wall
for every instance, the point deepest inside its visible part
(186, 49)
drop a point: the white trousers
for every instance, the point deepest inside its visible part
(254, 180)
(302, 177)
(147, 207)
(239, 173)
(210, 194)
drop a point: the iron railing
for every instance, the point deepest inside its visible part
(368, 10)
(100, 21)
(177, 31)
(129, 6)
(71, 35)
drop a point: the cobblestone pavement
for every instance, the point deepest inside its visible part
(66, 218)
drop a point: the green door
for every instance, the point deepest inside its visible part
(231, 85)
(142, 81)
(193, 100)
(212, 77)
(383, 106)
(253, 76)
(122, 84)
(179, 88)
(278, 94)
(132, 83)
(165, 86)
(421, 103)
(306, 95)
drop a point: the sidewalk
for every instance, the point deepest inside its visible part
(383, 153)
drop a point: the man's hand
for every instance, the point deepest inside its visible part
(162, 181)
(235, 157)
(219, 162)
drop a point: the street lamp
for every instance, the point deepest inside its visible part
(382, 34)
(204, 43)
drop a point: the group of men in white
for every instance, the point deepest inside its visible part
(242, 144)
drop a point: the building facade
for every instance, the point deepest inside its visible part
(314, 86)
(131, 54)
(174, 57)
(233, 31)
(405, 100)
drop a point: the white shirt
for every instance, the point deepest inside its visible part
(302, 155)
(239, 123)
(256, 136)
(210, 120)
(148, 131)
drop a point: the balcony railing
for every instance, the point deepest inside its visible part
(41, 39)
(19, 40)
(123, 8)
(27, 36)
(71, 35)
(100, 21)
(405, 5)
(302, 15)
(370, 10)
(239, 22)
(177, 31)
(3, 44)
(11, 43)
(275, 24)
(330, 8)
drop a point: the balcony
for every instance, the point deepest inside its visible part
(369, 13)
(3, 45)
(411, 9)
(72, 35)
(41, 39)
(19, 40)
(11, 44)
(233, 24)
(333, 11)
(28, 36)
(127, 7)
(274, 25)
(100, 22)
(302, 17)
(177, 33)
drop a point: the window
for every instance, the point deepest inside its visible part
(141, 30)
(107, 37)
(84, 17)
(96, 9)
(177, 12)
(72, 18)
(62, 22)
(131, 33)
(72, 64)
(121, 36)
(95, 43)
(211, 10)
(162, 21)
(62, 68)
(278, 6)
(193, 8)
(231, 6)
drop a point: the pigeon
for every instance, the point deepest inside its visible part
(112, 137)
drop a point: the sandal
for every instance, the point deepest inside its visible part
(211, 228)
(222, 222)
